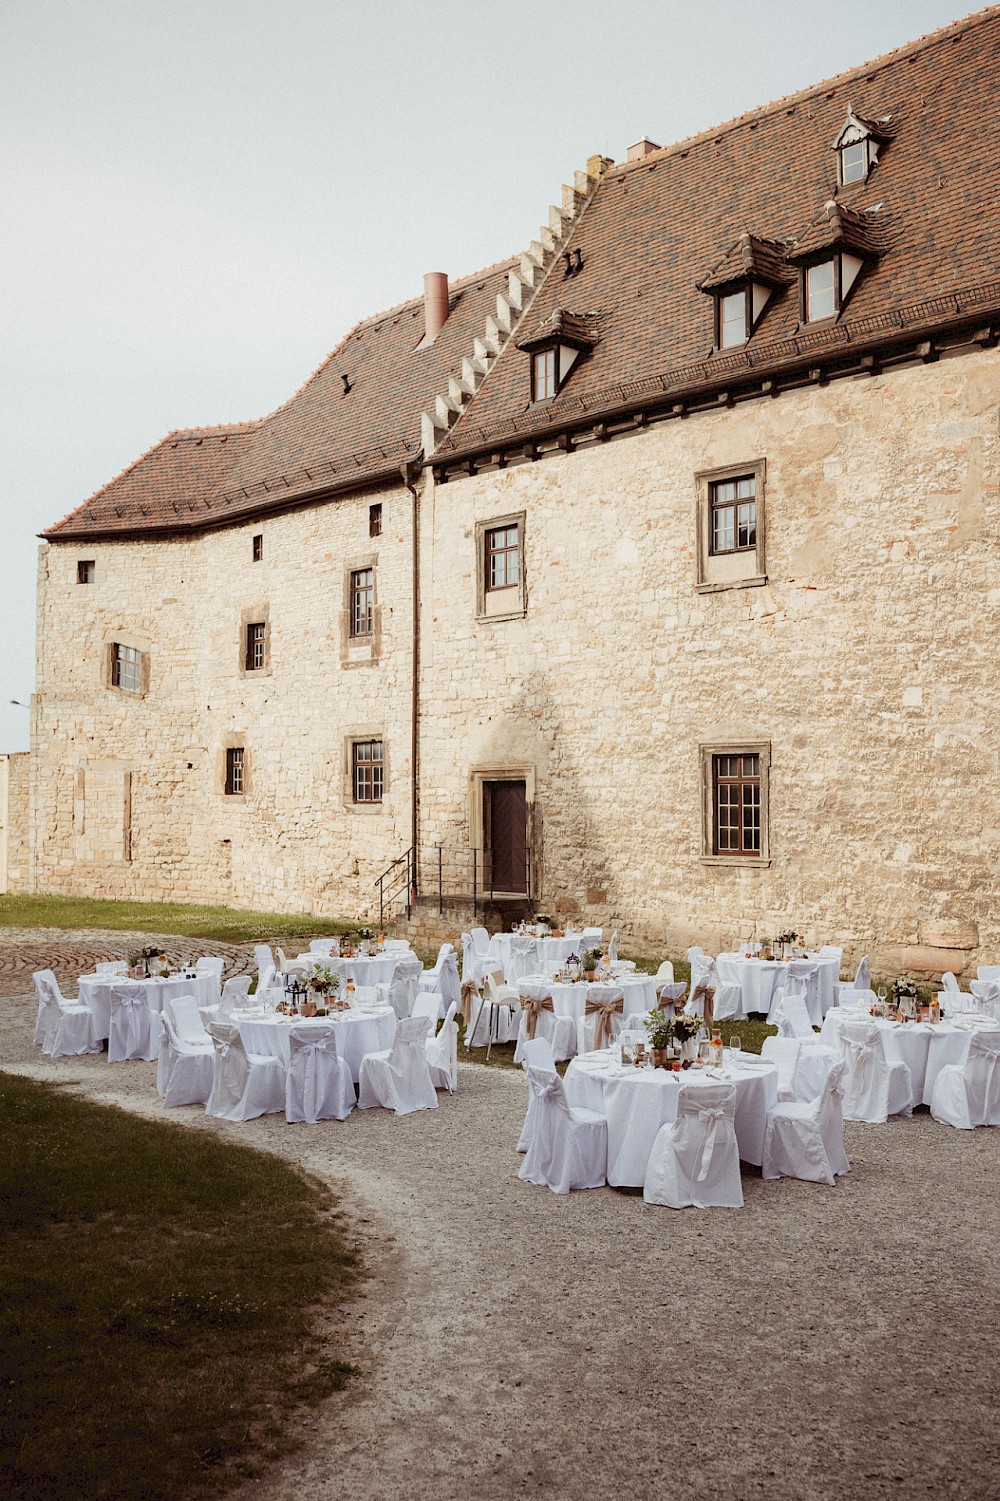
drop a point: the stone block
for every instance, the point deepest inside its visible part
(948, 934)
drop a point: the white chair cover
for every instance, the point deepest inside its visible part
(874, 1087)
(695, 1160)
(560, 1030)
(863, 976)
(664, 975)
(988, 972)
(325, 946)
(481, 939)
(613, 947)
(442, 1053)
(184, 1069)
(537, 1054)
(318, 1085)
(806, 1140)
(400, 992)
(108, 968)
(213, 965)
(443, 978)
(587, 1027)
(47, 1018)
(400, 1079)
(244, 1085)
(986, 994)
(968, 1094)
(567, 1148)
(475, 961)
(803, 1066)
(262, 957)
(265, 984)
(184, 1013)
(234, 994)
(790, 1014)
(63, 1028)
(591, 938)
(134, 1031)
(671, 996)
(801, 979)
(948, 982)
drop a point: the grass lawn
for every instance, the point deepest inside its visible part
(185, 919)
(159, 1291)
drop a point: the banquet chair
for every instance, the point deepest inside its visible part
(286, 966)
(502, 1004)
(523, 958)
(63, 1028)
(603, 1018)
(695, 1161)
(443, 978)
(988, 972)
(326, 947)
(188, 1024)
(244, 1085)
(475, 960)
(400, 992)
(967, 1094)
(567, 1147)
(234, 994)
(727, 1003)
(134, 1032)
(442, 1053)
(537, 1054)
(805, 1139)
(539, 1019)
(108, 969)
(862, 975)
(802, 980)
(211, 964)
(613, 948)
(874, 1087)
(318, 1084)
(790, 1015)
(803, 1064)
(986, 994)
(784, 1053)
(591, 938)
(664, 975)
(481, 939)
(728, 998)
(184, 1068)
(263, 957)
(399, 1079)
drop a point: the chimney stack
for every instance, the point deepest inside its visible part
(642, 148)
(435, 304)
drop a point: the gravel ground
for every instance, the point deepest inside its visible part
(820, 1343)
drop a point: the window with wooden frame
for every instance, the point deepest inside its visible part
(733, 318)
(86, 568)
(362, 602)
(544, 374)
(822, 290)
(126, 668)
(730, 519)
(375, 521)
(503, 557)
(367, 771)
(234, 771)
(734, 514)
(257, 547)
(735, 803)
(256, 645)
(854, 161)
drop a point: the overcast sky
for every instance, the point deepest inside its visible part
(201, 196)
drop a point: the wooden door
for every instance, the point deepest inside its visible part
(505, 827)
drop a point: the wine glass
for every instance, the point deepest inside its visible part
(881, 1000)
(704, 1051)
(735, 1048)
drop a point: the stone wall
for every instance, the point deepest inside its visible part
(15, 875)
(867, 663)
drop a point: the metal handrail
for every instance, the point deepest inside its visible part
(462, 873)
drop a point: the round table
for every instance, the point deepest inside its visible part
(759, 978)
(95, 992)
(365, 969)
(521, 954)
(925, 1048)
(569, 997)
(358, 1032)
(637, 1102)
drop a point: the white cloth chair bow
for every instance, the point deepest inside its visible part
(806, 1139)
(244, 1085)
(184, 1068)
(134, 1031)
(400, 1078)
(695, 1161)
(318, 1085)
(567, 1148)
(63, 1028)
(874, 1087)
(442, 1053)
(443, 978)
(234, 994)
(967, 1094)
(538, 1055)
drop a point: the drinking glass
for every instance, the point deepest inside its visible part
(704, 1051)
(628, 1049)
(735, 1047)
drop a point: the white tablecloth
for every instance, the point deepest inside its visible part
(358, 1033)
(637, 1102)
(95, 992)
(569, 998)
(365, 969)
(758, 979)
(925, 1049)
(520, 955)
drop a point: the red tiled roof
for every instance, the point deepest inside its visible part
(930, 209)
(321, 439)
(750, 259)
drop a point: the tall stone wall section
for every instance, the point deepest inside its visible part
(14, 778)
(129, 797)
(868, 662)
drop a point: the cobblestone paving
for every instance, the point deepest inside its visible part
(71, 955)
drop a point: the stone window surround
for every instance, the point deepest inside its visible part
(480, 774)
(733, 747)
(360, 651)
(86, 570)
(135, 644)
(352, 737)
(236, 741)
(519, 608)
(252, 615)
(755, 576)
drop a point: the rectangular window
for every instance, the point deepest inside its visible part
(503, 557)
(362, 601)
(821, 293)
(375, 521)
(85, 571)
(367, 771)
(854, 162)
(734, 515)
(126, 668)
(544, 375)
(256, 639)
(258, 547)
(737, 803)
(732, 320)
(234, 770)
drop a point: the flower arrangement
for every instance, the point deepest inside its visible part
(324, 980)
(143, 956)
(686, 1028)
(904, 989)
(591, 959)
(660, 1026)
(789, 938)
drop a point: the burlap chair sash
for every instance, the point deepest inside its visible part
(604, 1010)
(470, 998)
(707, 993)
(532, 1007)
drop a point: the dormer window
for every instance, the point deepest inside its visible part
(742, 284)
(544, 375)
(857, 147)
(827, 285)
(831, 255)
(732, 319)
(854, 162)
(555, 346)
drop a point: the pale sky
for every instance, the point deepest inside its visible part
(201, 196)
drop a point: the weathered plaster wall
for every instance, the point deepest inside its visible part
(129, 798)
(14, 792)
(868, 662)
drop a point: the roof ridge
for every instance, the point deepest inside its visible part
(761, 111)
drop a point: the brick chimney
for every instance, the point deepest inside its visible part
(641, 148)
(435, 304)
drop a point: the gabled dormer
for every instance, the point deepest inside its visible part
(857, 147)
(831, 254)
(741, 286)
(554, 347)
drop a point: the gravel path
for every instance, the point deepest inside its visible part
(821, 1343)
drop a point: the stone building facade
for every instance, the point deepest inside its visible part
(677, 542)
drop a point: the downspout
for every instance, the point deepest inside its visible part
(410, 472)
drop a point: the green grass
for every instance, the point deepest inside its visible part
(159, 1290)
(185, 919)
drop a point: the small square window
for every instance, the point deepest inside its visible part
(85, 571)
(734, 515)
(362, 604)
(375, 521)
(367, 771)
(503, 557)
(258, 547)
(126, 668)
(234, 770)
(256, 642)
(733, 320)
(544, 375)
(821, 291)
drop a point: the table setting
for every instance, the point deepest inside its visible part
(925, 1046)
(759, 977)
(95, 992)
(364, 1028)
